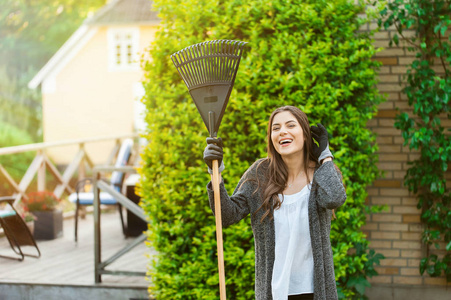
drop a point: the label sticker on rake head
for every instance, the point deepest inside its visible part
(211, 99)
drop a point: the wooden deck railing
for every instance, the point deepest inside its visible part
(100, 267)
(41, 163)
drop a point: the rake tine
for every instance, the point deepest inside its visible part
(204, 66)
(242, 45)
(218, 60)
(226, 60)
(242, 48)
(240, 53)
(227, 53)
(204, 60)
(211, 60)
(194, 64)
(218, 55)
(183, 70)
(231, 60)
(214, 58)
(201, 61)
(189, 68)
(206, 63)
(236, 61)
(223, 60)
(175, 60)
(197, 53)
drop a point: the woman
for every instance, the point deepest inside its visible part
(290, 196)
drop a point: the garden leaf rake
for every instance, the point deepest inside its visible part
(209, 70)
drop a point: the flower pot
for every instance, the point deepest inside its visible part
(48, 224)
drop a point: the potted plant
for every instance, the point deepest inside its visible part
(48, 224)
(29, 219)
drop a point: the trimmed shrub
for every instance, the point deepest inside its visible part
(309, 54)
(15, 164)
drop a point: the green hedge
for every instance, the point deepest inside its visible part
(309, 54)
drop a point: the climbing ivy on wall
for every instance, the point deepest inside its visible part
(428, 91)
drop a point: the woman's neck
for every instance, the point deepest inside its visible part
(295, 165)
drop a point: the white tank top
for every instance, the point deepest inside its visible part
(293, 265)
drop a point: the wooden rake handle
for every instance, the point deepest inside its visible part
(222, 288)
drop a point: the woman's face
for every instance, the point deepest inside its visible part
(287, 135)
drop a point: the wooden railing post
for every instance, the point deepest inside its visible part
(41, 173)
(97, 232)
(81, 166)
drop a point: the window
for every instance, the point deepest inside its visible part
(123, 44)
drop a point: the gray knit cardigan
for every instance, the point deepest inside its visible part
(327, 193)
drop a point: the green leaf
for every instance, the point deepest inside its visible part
(437, 27)
(360, 283)
(396, 39)
(423, 265)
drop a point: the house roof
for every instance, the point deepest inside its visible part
(116, 12)
(125, 11)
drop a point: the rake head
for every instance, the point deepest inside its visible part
(209, 70)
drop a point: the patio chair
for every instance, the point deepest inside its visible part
(83, 198)
(16, 231)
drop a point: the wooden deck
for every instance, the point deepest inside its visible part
(66, 263)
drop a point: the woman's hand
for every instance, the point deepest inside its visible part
(212, 152)
(319, 133)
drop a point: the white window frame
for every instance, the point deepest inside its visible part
(128, 50)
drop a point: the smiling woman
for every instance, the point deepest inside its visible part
(290, 196)
(286, 134)
(296, 56)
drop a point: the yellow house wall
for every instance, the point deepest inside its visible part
(91, 101)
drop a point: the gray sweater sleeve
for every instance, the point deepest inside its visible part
(331, 191)
(235, 207)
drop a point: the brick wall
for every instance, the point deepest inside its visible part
(396, 232)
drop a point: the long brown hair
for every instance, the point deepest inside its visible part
(277, 173)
